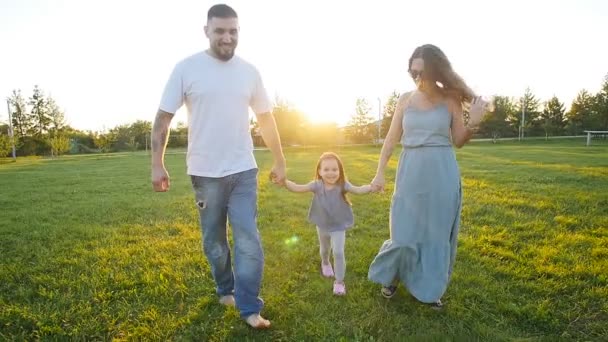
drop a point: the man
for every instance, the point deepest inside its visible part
(218, 88)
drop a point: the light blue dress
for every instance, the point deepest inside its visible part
(425, 208)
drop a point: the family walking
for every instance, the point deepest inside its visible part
(218, 88)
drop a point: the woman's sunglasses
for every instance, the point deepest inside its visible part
(416, 74)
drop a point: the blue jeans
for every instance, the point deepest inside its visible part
(232, 198)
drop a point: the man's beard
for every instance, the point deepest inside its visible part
(225, 53)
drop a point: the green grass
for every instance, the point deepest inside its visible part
(89, 252)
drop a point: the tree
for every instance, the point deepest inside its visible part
(21, 120)
(130, 137)
(39, 113)
(358, 127)
(552, 117)
(178, 136)
(105, 141)
(289, 121)
(387, 112)
(581, 113)
(60, 144)
(529, 105)
(495, 124)
(55, 115)
(601, 103)
(138, 134)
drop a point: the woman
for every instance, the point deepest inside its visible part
(426, 204)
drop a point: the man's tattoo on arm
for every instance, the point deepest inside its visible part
(160, 130)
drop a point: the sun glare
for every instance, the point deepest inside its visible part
(322, 110)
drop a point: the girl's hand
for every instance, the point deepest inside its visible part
(378, 183)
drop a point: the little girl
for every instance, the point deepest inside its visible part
(331, 211)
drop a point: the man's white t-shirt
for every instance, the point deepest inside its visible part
(218, 95)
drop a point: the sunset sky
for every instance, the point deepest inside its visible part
(106, 62)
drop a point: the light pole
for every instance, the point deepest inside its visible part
(10, 128)
(379, 118)
(523, 118)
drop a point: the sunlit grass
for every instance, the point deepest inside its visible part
(89, 252)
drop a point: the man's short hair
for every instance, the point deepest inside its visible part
(221, 11)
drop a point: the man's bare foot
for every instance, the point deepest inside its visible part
(257, 322)
(227, 300)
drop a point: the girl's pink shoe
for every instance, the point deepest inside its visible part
(327, 270)
(339, 289)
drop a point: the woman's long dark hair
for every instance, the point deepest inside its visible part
(438, 70)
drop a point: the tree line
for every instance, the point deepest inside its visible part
(39, 124)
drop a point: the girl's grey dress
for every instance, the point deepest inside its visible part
(425, 208)
(328, 210)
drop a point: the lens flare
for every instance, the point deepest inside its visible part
(291, 241)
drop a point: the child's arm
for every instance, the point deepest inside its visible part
(363, 189)
(293, 187)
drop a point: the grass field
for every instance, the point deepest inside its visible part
(89, 252)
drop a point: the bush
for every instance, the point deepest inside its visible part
(5, 145)
(34, 146)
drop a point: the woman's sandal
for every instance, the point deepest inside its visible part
(388, 291)
(438, 305)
